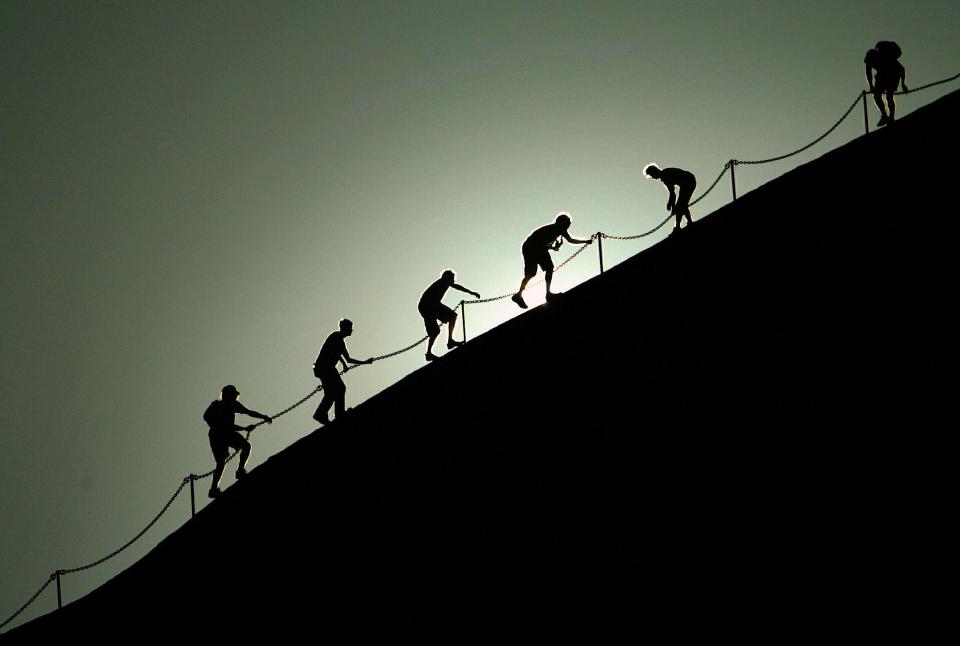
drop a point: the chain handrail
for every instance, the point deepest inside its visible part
(928, 85)
(134, 539)
(726, 167)
(193, 477)
(30, 601)
(846, 114)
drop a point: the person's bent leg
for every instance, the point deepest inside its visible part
(450, 327)
(523, 284)
(878, 99)
(891, 105)
(324, 408)
(548, 278)
(244, 456)
(338, 391)
(218, 474)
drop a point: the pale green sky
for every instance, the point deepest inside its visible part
(193, 193)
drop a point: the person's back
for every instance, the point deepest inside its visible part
(220, 415)
(678, 177)
(545, 235)
(890, 74)
(434, 293)
(331, 350)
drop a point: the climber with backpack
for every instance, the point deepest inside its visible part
(890, 74)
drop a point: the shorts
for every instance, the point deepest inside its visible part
(221, 441)
(884, 84)
(433, 312)
(330, 380)
(533, 257)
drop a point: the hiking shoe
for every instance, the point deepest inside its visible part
(518, 299)
(451, 344)
(431, 356)
(884, 120)
(552, 296)
(241, 474)
(323, 419)
(214, 492)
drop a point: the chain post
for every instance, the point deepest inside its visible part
(59, 594)
(600, 248)
(193, 498)
(733, 179)
(463, 319)
(866, 118)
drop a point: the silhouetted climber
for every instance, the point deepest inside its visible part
(432, 309)
(678, 205)
(536, 252)
(224, 433)
(334, 349)
(890, 74)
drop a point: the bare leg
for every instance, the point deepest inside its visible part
(523, 284)
(430, 341)
(217, 475)
(244, 456)
(341, 403)
(891, 104)
(878, 99)
(450, 327)
(548, 278)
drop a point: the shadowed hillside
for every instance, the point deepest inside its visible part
(745, 426)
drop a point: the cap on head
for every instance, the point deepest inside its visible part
(346, 324)
(651, 170)
(448, 274)
(563, 218)
(229, 391)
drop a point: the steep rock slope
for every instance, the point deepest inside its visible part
(744, 426)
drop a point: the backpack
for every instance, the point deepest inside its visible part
(889, 49)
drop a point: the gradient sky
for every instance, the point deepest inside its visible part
(193, 193)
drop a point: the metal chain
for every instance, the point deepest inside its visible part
(639, 235)
(809, 145)
(402, 350)
(32, 599)
(726, 167)
(928, 85)
(134, 539)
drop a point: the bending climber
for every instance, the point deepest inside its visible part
(890, 75)
(334, 349)
(536, 252)
(224, 433)
(673, 178)
(432, 310)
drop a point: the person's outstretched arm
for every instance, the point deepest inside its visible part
(465, 290)
(567, 237)
(357, 362)
(252, 413)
